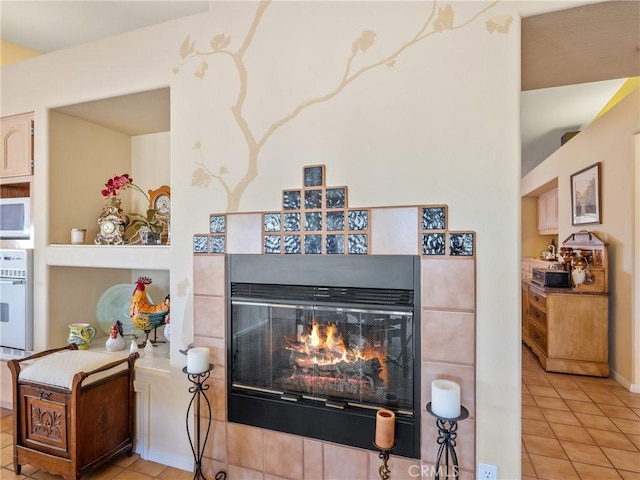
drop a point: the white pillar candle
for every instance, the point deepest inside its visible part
(385, 429)
(78, 236)
(445, 398)
(197, 360)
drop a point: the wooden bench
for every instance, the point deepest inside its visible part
(72, 410)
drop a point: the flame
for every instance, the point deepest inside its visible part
(324, 345)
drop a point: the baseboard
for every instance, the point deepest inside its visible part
(632, 387)
(174, 461)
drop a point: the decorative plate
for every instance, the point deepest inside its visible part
(114, 304)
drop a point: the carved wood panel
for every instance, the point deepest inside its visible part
(46, 422)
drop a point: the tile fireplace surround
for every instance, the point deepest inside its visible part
(447, 344)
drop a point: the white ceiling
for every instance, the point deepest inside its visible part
(47, 26)
(135, 114)
(549, 113)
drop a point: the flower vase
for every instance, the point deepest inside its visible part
(147, 237)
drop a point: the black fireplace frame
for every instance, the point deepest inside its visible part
(343, 425)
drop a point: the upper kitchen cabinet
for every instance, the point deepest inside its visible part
(548, 212)
(16, 157)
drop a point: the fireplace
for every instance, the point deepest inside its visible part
(316, 344)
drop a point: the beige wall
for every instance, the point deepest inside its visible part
(6, 388)
(150, 163)
(431, 125)
(533, 244)
(83, 157)
(609, 140)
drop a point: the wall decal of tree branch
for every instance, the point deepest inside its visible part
(439, 20)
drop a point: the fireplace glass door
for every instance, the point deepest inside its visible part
(342, 356)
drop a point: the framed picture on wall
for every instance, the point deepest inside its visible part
(585, 196)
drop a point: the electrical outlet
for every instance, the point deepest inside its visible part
(487, 472)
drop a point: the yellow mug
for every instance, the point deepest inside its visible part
(81, 334)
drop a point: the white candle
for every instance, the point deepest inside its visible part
(385, 429)
(197, 360)
(445, 398)
(78, 236)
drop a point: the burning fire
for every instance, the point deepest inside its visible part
(327, 349)
(324, 346)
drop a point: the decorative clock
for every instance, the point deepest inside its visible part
(161, 202)
(112, 224)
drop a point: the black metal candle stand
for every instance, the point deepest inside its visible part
(198, 443)
(447, 434)
(384, 470)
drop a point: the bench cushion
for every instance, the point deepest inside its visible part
(59, 368)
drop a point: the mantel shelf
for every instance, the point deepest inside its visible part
(156, 257)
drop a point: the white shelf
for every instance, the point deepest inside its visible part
(158, 363)
(156, 257)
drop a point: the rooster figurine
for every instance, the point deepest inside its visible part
(144, 315)
(115, 342)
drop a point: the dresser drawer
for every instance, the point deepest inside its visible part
(538, 299)
(538, 316)
(538, 335)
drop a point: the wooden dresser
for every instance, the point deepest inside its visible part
(568, 328)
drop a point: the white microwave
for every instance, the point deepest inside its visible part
(15, 217)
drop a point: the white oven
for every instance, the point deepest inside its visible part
(16, 300)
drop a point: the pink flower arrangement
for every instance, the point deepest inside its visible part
(119, 183)
(136, 221)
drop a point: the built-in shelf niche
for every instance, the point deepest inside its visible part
(92, 142)
(89, 143)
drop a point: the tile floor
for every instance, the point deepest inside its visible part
(573, 427)
(577, 427)
(121, 468)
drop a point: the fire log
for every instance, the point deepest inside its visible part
(370, 367)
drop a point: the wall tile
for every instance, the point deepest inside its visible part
(464, 375)
(467, 474)
(217, 395)
(448, 283)
(211, 467)
(244, 233)
(216, 447)
(394, 231)
(211, 315)
(313, 465)
(245, 447)
(217, 355)
(465, 442)
(284, 457)
(400, 467)
(428, 469)
(209, 275)
(345, 463)
(448, 336)
(235, 471)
